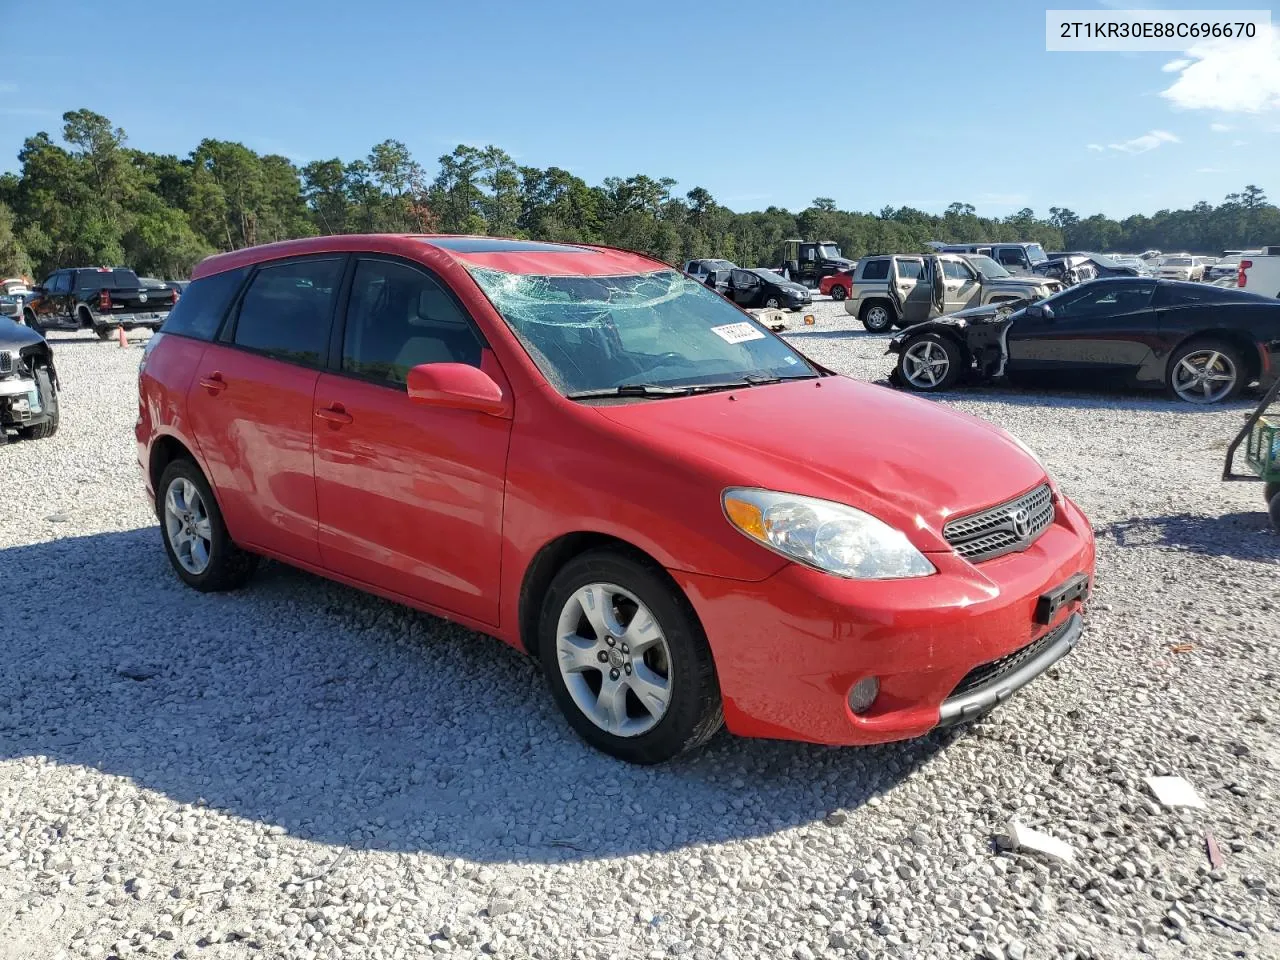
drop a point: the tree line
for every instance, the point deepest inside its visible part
(91, 199)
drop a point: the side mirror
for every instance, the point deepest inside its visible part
(1041, 311)
(456, 386)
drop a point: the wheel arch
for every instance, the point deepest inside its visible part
(165, 449)
(1247, 345)
(552, 557)
(867, 302)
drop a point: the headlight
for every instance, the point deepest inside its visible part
(828, 536)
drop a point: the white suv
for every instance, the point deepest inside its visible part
(1260, 272)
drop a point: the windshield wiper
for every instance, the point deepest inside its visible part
(654, 390)
(631, 390)
(754, 380)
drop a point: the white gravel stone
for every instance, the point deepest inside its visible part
(308, 772)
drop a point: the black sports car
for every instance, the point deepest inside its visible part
(1205, 343)
(764, 288)
(28, 383)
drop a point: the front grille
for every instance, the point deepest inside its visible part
(1011, 526)
(6, 361)
(996, 670)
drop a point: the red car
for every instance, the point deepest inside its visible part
(836, 285)
(594, 458)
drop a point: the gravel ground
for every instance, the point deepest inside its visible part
(297, 770)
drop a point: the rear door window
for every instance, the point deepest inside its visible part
(287, 310)
(199, 312)
(910, 269)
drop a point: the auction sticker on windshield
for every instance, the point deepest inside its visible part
(737, 332)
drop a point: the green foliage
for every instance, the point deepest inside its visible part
(91, 199)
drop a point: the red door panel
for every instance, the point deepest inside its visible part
(410, 497)
(252, 418)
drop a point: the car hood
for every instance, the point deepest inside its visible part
(797, 288)
(911, 462)
(1025, 282)
(15, 336)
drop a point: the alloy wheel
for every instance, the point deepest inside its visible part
(878, 318)
(925, 364)
(186, 524)
(614, 659)
(1204, 376)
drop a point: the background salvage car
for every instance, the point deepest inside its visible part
(1205, 343)
(28, 383)
(102, 299)
(909, 288)
(764, 288)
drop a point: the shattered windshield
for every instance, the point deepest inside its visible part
(987, 267)
(829, 251)
(654, 329)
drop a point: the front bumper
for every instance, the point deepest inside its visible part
(789, 649)
(20, 403)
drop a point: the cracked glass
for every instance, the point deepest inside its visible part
(660, 329)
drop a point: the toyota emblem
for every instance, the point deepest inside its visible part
(1021, 523)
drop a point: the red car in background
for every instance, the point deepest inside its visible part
(837, 285)
(600, 461)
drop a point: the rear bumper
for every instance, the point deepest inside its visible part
(789, 649)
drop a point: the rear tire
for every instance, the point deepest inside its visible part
(29, 318)
(1270, 491)
(225, 565)
(1216, 358)
(876, 317)
(838, 292)
(49, 403)
(691, 712)
(105, 333)
(1274, 511)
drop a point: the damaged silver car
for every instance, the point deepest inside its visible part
(28, 383)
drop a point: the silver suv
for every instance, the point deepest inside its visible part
(903, 289)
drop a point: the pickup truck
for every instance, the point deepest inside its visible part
(904, 289)
(1260, 272)
(102, 299)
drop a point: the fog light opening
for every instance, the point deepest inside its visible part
(863, 694)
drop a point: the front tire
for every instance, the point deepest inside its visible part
(930, 363)
(1206, 372)
(626, 659)
(48, 403)
(195, 537)
(772, 303)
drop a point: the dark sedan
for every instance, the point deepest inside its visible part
(1204, 343)
(764, 288)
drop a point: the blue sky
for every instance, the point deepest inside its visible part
(913, 103)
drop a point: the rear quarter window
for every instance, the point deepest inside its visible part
(199, 311)
(875, 270)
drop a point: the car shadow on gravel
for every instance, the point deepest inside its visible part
(1241, 536)
(356, 722)
(1085, 397)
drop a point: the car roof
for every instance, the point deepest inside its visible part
(496, 253)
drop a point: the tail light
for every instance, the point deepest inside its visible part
(1241, 277)
(173, 297)
(105, 300)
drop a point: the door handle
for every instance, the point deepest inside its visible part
(213, 382)
(335, 413)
